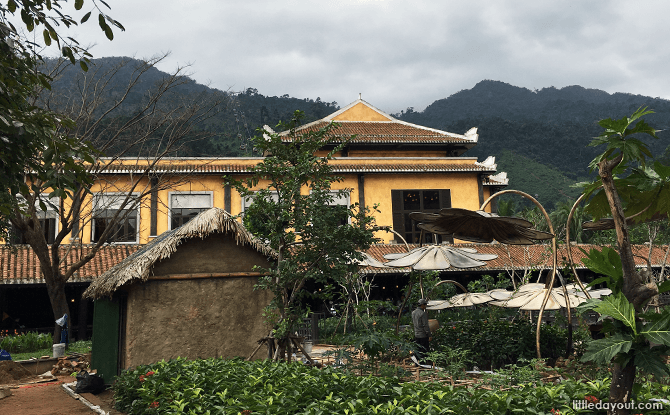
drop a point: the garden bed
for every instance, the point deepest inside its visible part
(235, 386)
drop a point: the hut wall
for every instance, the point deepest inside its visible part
(183, 312)
(193, 318)
(218, 253)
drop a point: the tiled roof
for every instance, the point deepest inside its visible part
(393, 166)
(387, 132)
(19, 264)
(520, 257)
(179, 168)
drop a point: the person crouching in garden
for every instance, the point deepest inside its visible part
(422, 335)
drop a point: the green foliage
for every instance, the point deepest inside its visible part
(308, 234)
(452, 362)
(487, 283)
(233, 386)
(368, 351)
(523, 372)
(48, 14)
(607, 263)
(494, 342)
(548, 184)
(645, 190)
(82, 346)
(26, 342)
(629, 335)
(30, 131)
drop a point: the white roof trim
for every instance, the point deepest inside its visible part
(471, 135)
(490, 162)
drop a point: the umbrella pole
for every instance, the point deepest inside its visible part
(421, 275)
(569, 247)
(568, 347)
(554, 256)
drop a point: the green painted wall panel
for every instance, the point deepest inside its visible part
(105, 350)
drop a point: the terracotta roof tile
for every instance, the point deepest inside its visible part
(386, 132)
(20, 265)
(338, 168)
(520, 257)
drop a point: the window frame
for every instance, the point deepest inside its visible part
(119, 196)
(187, 193)
(43, 216)
(401, 216)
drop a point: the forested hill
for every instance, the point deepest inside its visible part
(539, 137)
(547, 130)
(240, 113)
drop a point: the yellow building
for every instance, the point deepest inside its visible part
(400, 166)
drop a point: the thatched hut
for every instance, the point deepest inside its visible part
(189, 293)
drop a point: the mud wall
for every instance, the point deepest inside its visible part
(215, 254)
(197, 318)
(182, 312)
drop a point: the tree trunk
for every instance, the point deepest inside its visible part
(634, 288)
(59, 305)
(623, 379)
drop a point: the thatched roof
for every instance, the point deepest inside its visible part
(138, 265)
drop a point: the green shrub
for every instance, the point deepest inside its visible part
(219, 386)
(26, 342)
(493, 342)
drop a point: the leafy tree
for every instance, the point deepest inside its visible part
(292, 198)
(56, 137)
(28, 133)
(155, 127)
(630, 191)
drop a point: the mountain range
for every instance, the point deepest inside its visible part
(540, 138)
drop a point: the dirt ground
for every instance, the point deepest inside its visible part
(51, 399)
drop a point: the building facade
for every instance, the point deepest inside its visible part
(399, 166)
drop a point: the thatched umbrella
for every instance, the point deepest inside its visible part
(369, 261)
(438, 257)
(479, 226)
(438, 304)
(575, 289)
(531, 298)
(469, 299)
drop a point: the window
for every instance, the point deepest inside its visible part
(186, 206)
(124, 228)
(247, 201)
(407, 201)
(340, 205)
(48, 221)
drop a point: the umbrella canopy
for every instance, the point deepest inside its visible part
(530, 297)
(576, 290)
(469, 299)
(438, 305)
(369, 261)
(436, 257)
(500, 294)
(479, 226)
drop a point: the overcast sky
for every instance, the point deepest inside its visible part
(397, 53)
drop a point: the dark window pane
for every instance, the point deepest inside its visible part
(123, 230)
(431, 200)
(416, 201)
(182, 216)
(48, 229)
(411, 200)
(340, 216)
